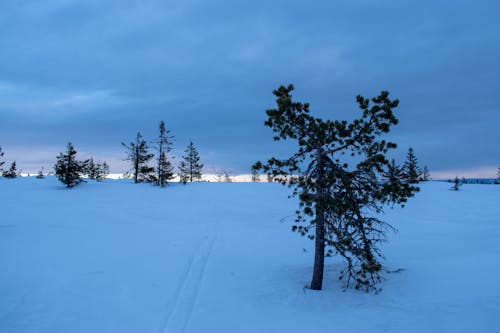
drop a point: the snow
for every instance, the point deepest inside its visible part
(220, 257)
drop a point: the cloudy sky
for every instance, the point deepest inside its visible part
(95, 72)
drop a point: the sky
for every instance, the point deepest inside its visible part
(96, 72)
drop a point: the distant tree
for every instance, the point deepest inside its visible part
(67, 169)
(219, 174)
(190, 167)
(339, 203)
(40, 174)
(394, 173)
(104, 171)
(270, 178)
(164, 168)
(456, 184)
(425, 175)
(12, 172)
(227, 176)
(255, 175)
(138, 154)
(90, 168)
(410, 167)
(96, 171)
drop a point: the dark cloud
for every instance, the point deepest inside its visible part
(97, 72)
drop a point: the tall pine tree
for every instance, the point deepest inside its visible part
(138, 154)
(164, 168)
(67, 169)
(338, 204)
(410, 168)
(190, 167)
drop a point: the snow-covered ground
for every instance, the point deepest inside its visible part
(220, 257)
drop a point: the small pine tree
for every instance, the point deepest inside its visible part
(89, 168)
(220, 175)
(425, 176)
(393, 177)
(270, 178)
(12, 172)
(255, 175)
(410, 167)
(227, 176)
(67, 169)
(190, 166)
(139, 156)
(456, 184)
(96, 171)
(40, 174)
(394, 173)
(103, 171)
(164, 168)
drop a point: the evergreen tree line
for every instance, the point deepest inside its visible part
(141, 158)
(71, 171)
(410, 172)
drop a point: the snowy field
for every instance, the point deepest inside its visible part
(220, 257)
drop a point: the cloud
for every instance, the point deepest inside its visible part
(96, 72)
(31, 101)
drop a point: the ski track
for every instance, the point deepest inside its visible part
(186, 294)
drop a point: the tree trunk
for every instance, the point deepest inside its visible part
(319, 247)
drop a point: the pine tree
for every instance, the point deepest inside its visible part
(190, 166)
(103, 171)
(425, 175)
(410, 167)
(255, 175)
(394, 173)
(227, 176)
(456, 184)
(67, 169)
(340, 203)
(164, 168)
(40, 174)
(90, 169)
(96, 171)
(270, 178)
(139, 156)
(12, 172)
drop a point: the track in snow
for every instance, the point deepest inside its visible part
(180, 310)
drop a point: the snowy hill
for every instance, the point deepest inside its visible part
(220, 257)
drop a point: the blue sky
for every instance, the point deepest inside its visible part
(96, 72)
